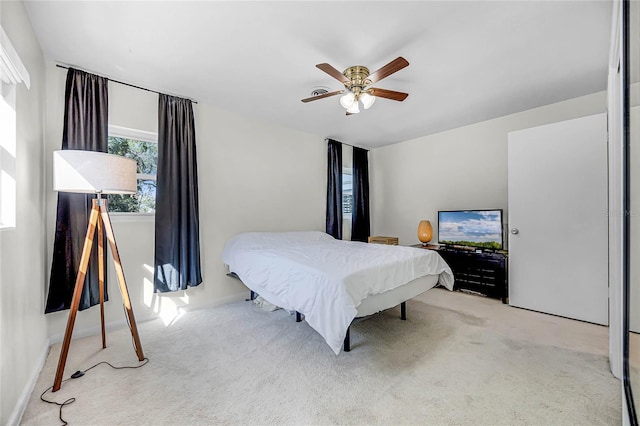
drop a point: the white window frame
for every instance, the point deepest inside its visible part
(141, 135)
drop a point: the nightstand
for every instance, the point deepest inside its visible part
(393, 241)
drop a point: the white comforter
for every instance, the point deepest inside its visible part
(323, 278)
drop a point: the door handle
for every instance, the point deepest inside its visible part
(515, 231)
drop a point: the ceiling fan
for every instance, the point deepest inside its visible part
(356, 80)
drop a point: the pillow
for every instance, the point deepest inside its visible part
(263, 240)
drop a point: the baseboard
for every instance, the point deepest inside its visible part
(116, 325)
(220, 301)
(21, 405)
(89, 331)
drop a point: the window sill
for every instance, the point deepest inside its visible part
(117, 217)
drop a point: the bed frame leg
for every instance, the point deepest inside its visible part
(298, 316)
(403, 311)
(347, 341)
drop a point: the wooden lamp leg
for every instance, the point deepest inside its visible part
(123, 285)
(77, 293)
(101, 273)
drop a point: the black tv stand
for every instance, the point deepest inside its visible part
(476, 271)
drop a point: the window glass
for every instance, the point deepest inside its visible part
(347, 193)
(146, 155)
(7, 156)
(12, 73)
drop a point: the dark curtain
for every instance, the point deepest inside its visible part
(334, 189)
(177, 249)
(360, 224)
(85, 128)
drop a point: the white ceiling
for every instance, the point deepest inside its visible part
(469, 61)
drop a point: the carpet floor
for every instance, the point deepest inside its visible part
(459, 359)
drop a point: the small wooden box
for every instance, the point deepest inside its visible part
(393, 241)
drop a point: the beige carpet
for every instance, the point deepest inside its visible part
(459, 359)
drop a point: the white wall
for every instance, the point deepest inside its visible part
(464, 168)
(23, 330)
(252, 176)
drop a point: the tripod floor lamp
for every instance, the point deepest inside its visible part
(91, 172)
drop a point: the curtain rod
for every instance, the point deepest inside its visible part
(127, 84)
(352, 146)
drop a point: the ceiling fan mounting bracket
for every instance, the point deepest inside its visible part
(357, 76)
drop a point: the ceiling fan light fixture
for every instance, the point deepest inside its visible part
(348, 100)
(367, 100)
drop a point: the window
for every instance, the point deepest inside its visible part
(142, 147)
(7, 156)
(12, 73)
(347, 192)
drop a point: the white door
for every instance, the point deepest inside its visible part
(558, 219)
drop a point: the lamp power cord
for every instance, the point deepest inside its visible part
(79, 374)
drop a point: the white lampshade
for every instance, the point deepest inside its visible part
(348, 100)
(354, 109)
(367, 100)
(93, 172)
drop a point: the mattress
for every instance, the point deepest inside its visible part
(379, 302)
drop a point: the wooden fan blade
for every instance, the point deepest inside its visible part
(333, 72)
(389, 94)
(324, 95)
(393, 66)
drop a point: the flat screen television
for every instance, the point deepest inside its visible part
(471, 228)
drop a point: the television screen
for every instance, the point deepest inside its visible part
(474, 228)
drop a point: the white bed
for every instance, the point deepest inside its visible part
(331, 281)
